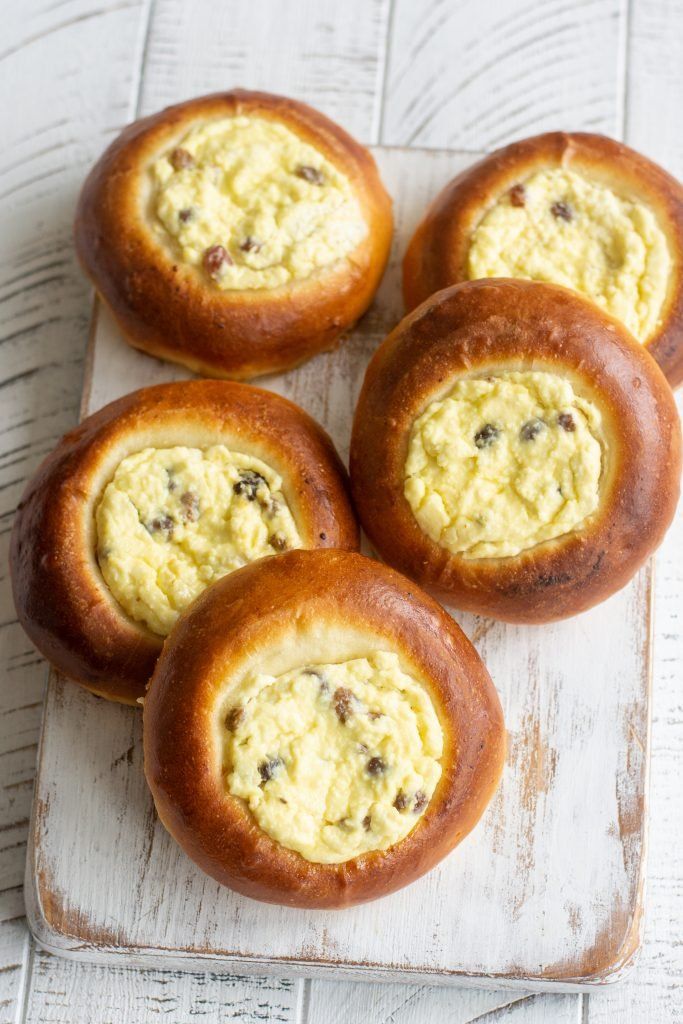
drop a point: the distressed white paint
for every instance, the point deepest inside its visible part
(71, 77)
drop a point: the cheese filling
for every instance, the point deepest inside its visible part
(173, 520)
(253, 205)
(504, 462)
(559, 227)
(334, 760)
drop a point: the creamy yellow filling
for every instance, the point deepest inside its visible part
(255, 206)
(559, 227)
(334, 760)
(173, 520)
(503, 463)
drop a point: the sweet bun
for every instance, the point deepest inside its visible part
(149, 500)
(318, 732)
(515, 451)
(578, 210)
(238, 233)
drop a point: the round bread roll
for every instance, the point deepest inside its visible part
(318, 732)
(147, 502)
(578, 210)
(515, 450)
(238, 233)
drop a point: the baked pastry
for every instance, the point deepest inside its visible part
(515, 450)
(238, 233)
(147, 502)
(578, 210)
(343, 733)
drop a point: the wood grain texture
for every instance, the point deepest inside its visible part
(547, 888)
(82, 58)
(478, 76)
(47, 51)
(654, 992)
(313, 50)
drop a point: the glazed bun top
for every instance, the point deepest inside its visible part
(515, 450)
(577, 210)
(238, 233)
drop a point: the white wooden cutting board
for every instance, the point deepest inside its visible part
(548, 890)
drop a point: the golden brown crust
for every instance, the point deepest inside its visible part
(169, 308)
(260, 609)
(493, 325)
(61, 598)
(437, 253)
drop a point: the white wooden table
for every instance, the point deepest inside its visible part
(468, 74)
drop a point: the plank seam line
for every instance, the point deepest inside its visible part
(625, 51)
(385, 70)
(585, 1008)
(146, 38)
(27, 978)
(304, 1001)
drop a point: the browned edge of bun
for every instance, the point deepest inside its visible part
(255, 609)
(169, 308)
(61, 598)
(437, 254)
(484, 327)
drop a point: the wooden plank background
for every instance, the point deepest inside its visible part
(459, 73)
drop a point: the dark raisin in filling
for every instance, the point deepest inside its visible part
(367, 822)
(234, 718)
(562, 211)
(376, 766)
(310, 174)
(250, 245)
(420, 801)
(180, 159)
(269, 769)
(161, 524)
(343, 702)
(485, 437)
(517, 195)
(185, 215)
(401, 801)
(566, 421)
(215, 258)
(277, 542)
(248, 484)
(190, 502)
(531, 429)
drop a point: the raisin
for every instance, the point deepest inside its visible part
(517, 195)
(269, 769)
(185, 215)
(401, 801)
(180, 159)
(162, 524)
(343, 701)
(323, 536)
(310, 174)
(562, 211)
(566, 421)
(485, 437)
(250, 245)
(367, 822)
(374, 715)
(278, 542)
(248, 484)
(531, 429)
(190, 502)
(376, 766)
(234, 718)
(215, 258)
(420, 802)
